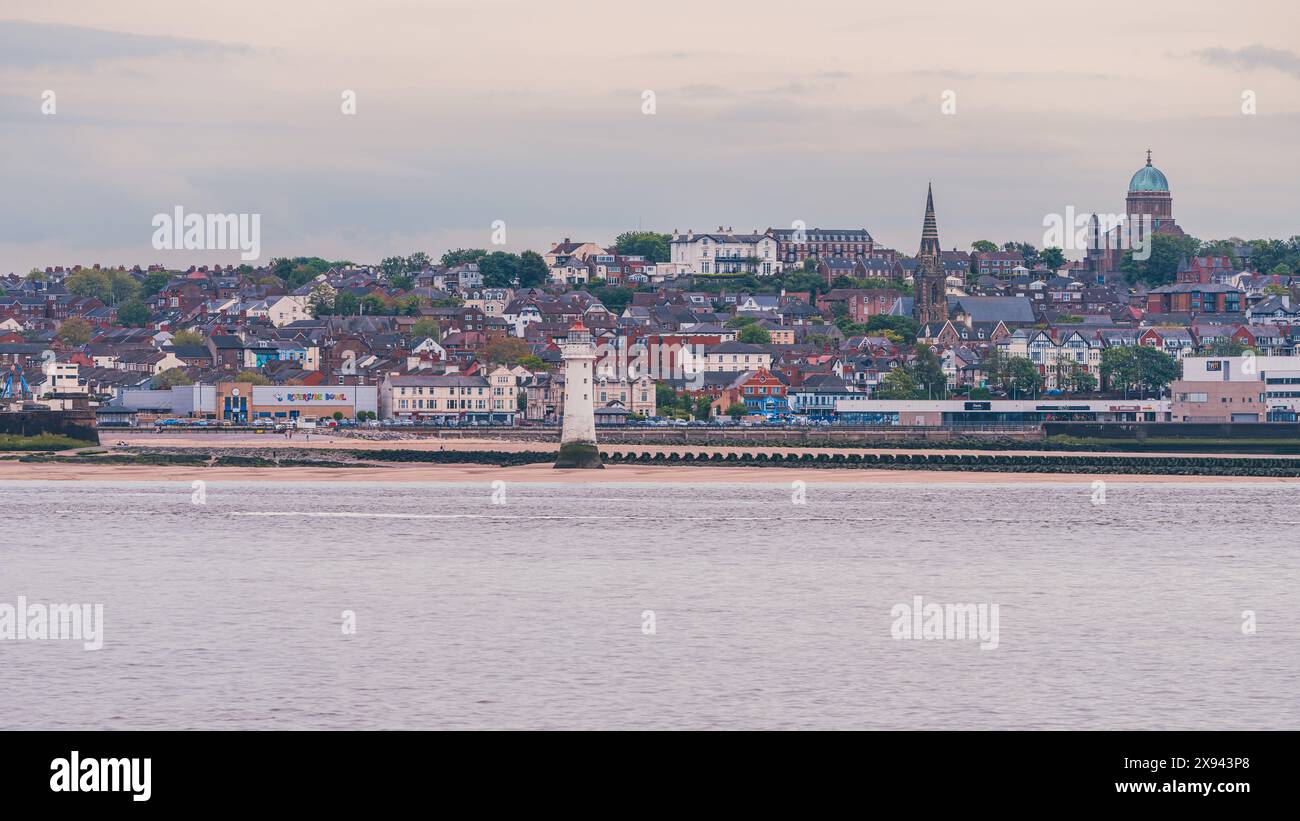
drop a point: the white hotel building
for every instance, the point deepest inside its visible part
(724, 252)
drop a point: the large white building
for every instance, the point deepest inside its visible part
(725, 252)
(1245, 388)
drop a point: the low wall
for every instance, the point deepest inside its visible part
(77, 426)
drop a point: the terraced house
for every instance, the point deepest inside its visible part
(442, 399)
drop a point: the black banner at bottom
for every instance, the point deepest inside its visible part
(143, 771)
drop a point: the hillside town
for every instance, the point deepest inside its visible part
(799, 325)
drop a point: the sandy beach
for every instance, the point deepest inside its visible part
(406, 472)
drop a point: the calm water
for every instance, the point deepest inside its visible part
(766, 613)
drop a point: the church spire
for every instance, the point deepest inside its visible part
(930, 231)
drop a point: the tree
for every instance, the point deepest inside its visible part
(155, 281)
(703, 408)
(133, 313)
(253, 377)
(346, 304)
(373, 305)
(75, 331)
(1029, 252)
(1081, 380)
(927, 371)
(1138, 366)
(1280, 270)
(981, 393)
(1161, 267)
(737, 409)
(615, 298)
(1053, 258)
(649, 244)
(499, 269)
(665, 397)
(167, 379)
(1023, 376)
(532, 362)
(1156, 369)
(532, 270)
(402, 282)
(417, 262)
(321, 300)
(338, 416)
(995, 368)
(426, 327)
(983, 246)
(463, 255)
(91, 283)
(122, 288)
(754, 334)
(1118, 368)
(506, 350)
(188, 338)
(898, 384)
(390, 267)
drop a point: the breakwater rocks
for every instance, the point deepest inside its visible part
(1089, 463)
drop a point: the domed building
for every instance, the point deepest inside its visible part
(1148, 210)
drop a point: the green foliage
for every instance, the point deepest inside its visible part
(753, 334)
(1023, 377)
(532, 270)
(614, 297)
(983, 246)
(460, 256)
(346, 304)
(1161, 268)
(649, 244)
(898, 384)
(1140, 367)
(253, 377)
(169, 379)
(500, 269)
(737, 409)
(135, 314)
(188, 338)
(155, 281)
(74, 331)
(926, 369)
(1053, 258)
(426, 327)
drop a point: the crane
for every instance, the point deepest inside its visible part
(7, 384)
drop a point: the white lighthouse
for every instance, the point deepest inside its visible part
(578, 432)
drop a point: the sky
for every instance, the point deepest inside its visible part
(534, 114)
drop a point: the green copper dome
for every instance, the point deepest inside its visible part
(1148, 178)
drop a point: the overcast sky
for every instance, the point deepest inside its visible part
(531, 112)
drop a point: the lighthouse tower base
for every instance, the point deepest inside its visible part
(581, 455)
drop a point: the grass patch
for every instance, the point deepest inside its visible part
(42, 441)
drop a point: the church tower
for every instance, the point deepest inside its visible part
(929, 283)
(578, 429)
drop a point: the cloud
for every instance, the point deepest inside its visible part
(1252, 57)
(26, 44)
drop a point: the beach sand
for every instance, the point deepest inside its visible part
(407, 472)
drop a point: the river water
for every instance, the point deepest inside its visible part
(371, 605)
